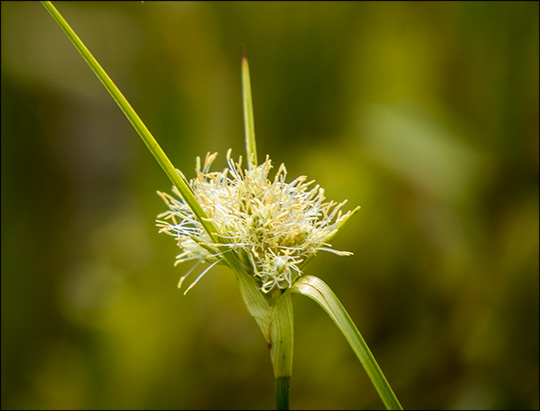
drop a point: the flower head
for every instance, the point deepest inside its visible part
(272, 226)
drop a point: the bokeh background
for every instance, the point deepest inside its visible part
(423, 113)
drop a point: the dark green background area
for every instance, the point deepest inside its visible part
(423, 113)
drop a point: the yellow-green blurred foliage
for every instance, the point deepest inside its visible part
(423, 113)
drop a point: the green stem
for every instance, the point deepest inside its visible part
(282, 393)
(281, 343)
(279, 328)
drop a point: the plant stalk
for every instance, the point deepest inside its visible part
(282, 393)
(281, 345)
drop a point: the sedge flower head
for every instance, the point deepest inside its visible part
(272, 226)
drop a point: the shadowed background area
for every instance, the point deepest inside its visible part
(423, 113)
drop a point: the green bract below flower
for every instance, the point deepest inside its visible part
(272, 226)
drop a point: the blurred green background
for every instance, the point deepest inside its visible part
(423, 113)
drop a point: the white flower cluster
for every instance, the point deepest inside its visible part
(272, 226)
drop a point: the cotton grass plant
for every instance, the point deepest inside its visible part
(263, 227)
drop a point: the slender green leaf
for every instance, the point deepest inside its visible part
(134, 118)
(319, 291)
(249, 124)
(145, 134)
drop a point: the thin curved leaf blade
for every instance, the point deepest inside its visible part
(321, 293)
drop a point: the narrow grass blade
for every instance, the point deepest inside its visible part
(249, 125)
(133, 117)
(319, 291)
(145, 134)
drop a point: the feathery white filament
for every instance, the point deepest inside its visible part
(271, 225)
